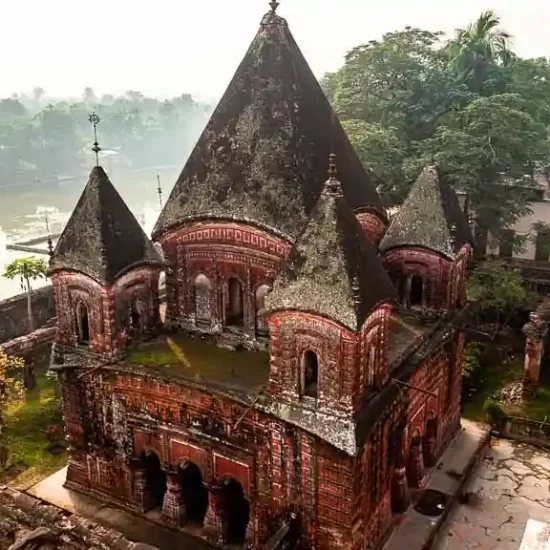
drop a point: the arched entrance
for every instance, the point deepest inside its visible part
(82, 324)
(416, 294)
(155, 479)
(194, 494)
(234, 313)
(203, 309)
(235, 512)
(310, 374)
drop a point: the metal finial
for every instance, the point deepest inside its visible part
(94, 119)
(274, 5)
(332, 186)
(50, 242)
(159, 191)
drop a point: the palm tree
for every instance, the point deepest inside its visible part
(479, 45)
(27, 269)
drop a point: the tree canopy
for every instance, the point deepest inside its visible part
(467, 104)
(41, 138)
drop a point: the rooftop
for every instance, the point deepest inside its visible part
(177, 357)
(404, 332)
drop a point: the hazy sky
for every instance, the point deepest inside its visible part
(167, 47)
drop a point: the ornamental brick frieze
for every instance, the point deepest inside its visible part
(239, 234)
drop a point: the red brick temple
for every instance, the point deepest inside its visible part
(307, 371)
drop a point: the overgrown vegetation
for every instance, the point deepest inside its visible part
(468, 104)
(32, 451)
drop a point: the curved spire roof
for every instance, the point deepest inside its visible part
(430, 217)
(102, 238)
(262, 157)
(332, 269)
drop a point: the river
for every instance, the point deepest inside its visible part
(23, 212)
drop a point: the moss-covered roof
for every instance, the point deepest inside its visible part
(102, 238)
(262, 156)
(429, 217)
(178, 357)
(332, 269)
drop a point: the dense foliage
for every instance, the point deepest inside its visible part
(468, 104)
(42, 139)
(10, 386)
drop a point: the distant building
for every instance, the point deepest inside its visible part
(316, 443)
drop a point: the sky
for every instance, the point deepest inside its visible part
(169, 47)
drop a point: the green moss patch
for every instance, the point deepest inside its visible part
(27, 422)
(200, 360)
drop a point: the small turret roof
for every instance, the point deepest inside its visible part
(102, 238)
(262, 157)
(332, 270)
(430, 217)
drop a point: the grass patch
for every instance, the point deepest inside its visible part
(495, 374)
(27, 422)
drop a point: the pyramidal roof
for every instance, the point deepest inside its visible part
(430, 217)
(332, 269)
(102, 238)
(262, 157)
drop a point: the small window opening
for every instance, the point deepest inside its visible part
(310, 367)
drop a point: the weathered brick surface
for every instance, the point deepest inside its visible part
(14, 321)
(343, 500)
(218, 252)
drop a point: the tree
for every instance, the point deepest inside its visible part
(89, 95)
(477, 47)
(489, 149)
(10, 387)
(499, 292)
(38, 94)
(27, 269)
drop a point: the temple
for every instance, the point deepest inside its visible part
(305, 372)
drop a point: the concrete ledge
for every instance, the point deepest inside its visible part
(417, 531)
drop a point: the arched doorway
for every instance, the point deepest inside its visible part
(261, 293)
(82, 324)
(235, 512)
(234, 313)
(203, 308)
(155, 479)
(194, 494)
(310, 374)
(416, 294)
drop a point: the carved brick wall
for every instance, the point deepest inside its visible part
(107, 308)
(404, 263)
(219, 252)
(373, 226)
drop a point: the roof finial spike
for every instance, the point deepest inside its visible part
(94, 119)
(332, 186)
(159, 191)
(50, 242)
(274, 5)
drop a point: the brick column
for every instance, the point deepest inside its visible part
(399, 491)
(213, 520)
(535, 331)
(415, 471)
(140, 488)
(173, 507)
(429, 446)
